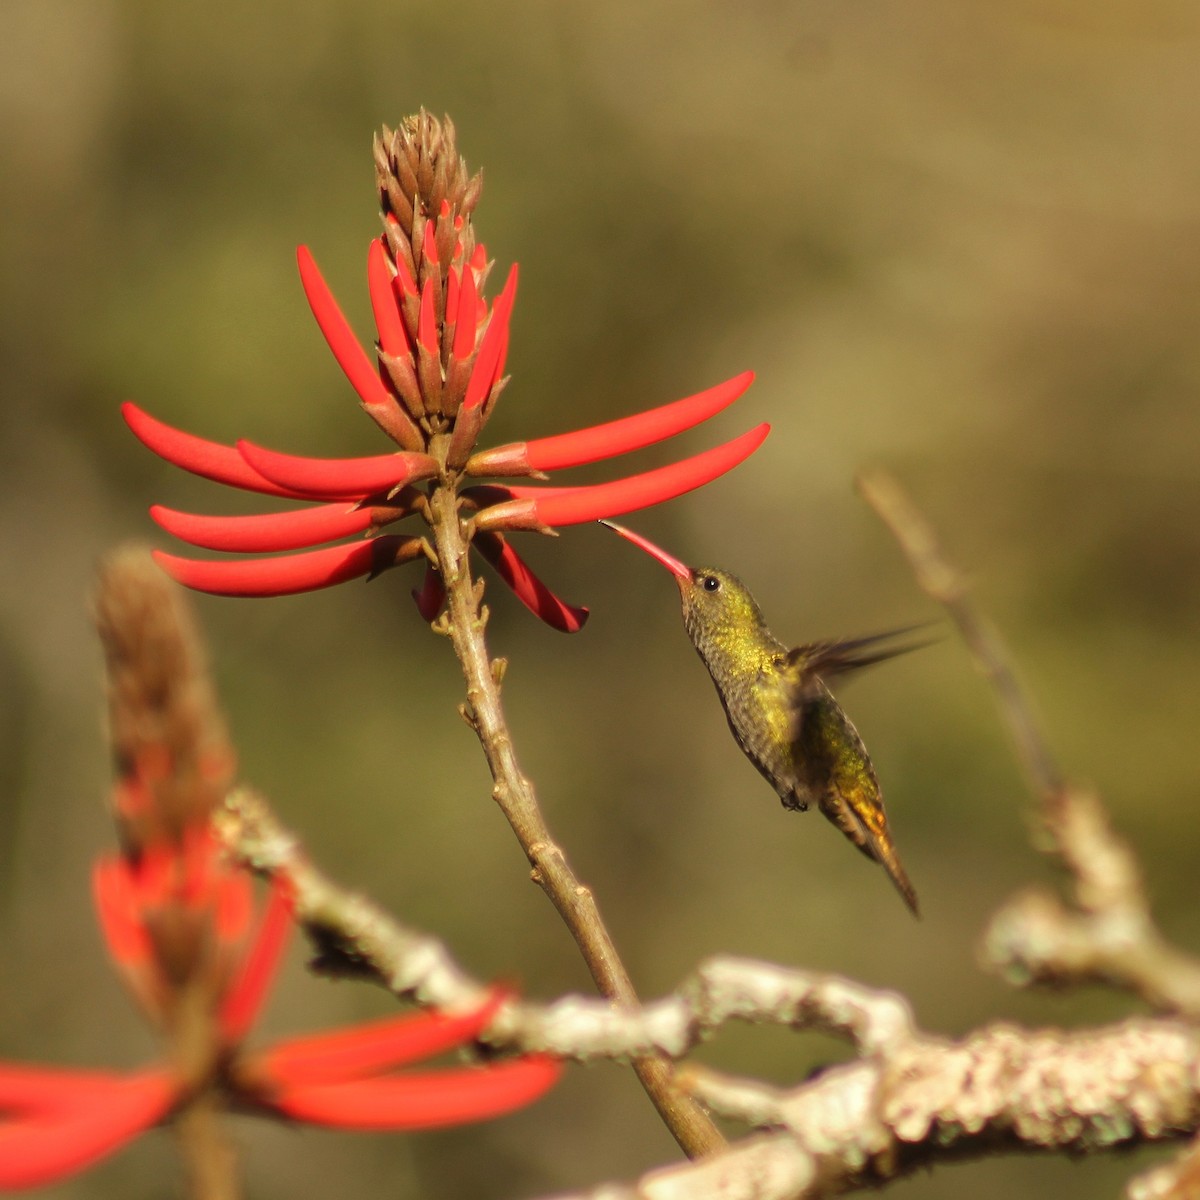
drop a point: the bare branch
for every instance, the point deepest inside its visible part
(576, 904)
(1111, 938)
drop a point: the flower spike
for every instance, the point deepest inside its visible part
(439, 370)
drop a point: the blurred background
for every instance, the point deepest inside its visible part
(959, 242)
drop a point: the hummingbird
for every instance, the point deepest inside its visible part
(780, 709)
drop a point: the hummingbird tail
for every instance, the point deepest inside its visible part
(899, 878)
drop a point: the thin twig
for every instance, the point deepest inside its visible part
(692, 1129)
(945, 585)
(1111, 938)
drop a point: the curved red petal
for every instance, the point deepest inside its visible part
(248, 991)
(284, 576)
(343, 1054)
(393, 338)
(44, 1150)
(491, 348)
(266, 531)
(527, 587)
(38, 1089)
(350, 355)
(424, 1101)
(635, 432)
(431, 595)
(211, 460)
(572, 506)
(338, 478)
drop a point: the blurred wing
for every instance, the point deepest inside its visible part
(824, 660)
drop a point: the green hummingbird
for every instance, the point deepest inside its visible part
(780, 709)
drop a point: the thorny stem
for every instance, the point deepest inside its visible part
(688, 1123)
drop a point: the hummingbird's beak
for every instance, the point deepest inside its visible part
(679, 569)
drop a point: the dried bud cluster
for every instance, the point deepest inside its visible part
(172, 755)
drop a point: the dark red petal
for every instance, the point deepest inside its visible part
(44, 1150)
(292, 573)
(267, 531)
(351, 357)
(616, 437)
(338, 478)
(248, 991)
(343, 1054)
(198, 455)
(527, 587)
(491, 348)
(431, 595)
(424, 1101)
(533, 507)
(393, 338)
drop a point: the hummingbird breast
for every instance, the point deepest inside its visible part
(758, 700)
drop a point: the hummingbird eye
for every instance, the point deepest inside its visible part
(711, 583)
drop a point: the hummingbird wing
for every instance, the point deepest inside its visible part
(842, 656)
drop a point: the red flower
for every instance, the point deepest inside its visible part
(177, 916)
(174, 917)
(439, 370)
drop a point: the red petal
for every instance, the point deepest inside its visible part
(337, 333)
(119, 913)
(491, 348)
(392, 335)
(338, 478)
(344, 1054)
(198, 455)
(465, 320)
(290, 574)
(245, 997)
(533, 507)
(268, 531)
(616, 437)
(27, 1089)
(424, 1101)
(528, 588)
(431, 595)
(43, 1150)
(429, 243)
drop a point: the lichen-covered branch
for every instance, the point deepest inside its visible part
(1000, 1089)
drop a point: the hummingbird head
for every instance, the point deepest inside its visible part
(718, 609)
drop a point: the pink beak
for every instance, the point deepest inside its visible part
(677, 568)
